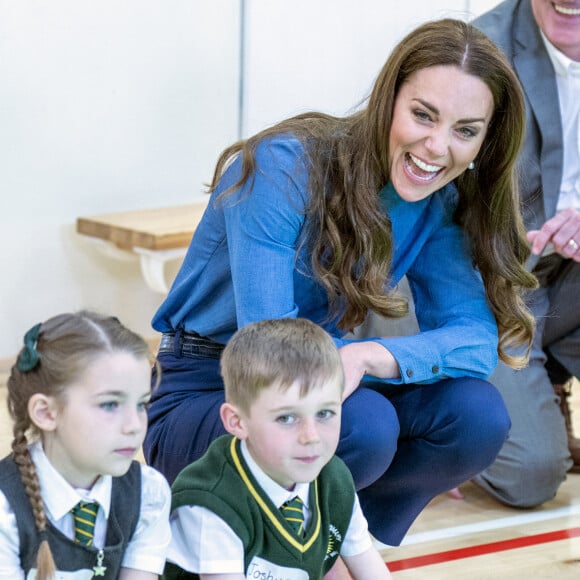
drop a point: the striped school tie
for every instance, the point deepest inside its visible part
(84, 515)
(293, 513)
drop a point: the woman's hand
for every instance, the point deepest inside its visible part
(366, 358)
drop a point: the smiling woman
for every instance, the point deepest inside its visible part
(320, 217)
(440, 121)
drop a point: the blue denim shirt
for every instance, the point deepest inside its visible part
(245, 264)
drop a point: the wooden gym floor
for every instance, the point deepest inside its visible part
(473, 538)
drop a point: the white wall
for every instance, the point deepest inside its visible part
(105, 105)
(108, 105)
(324, 55)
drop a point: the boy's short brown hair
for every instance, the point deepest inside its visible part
(278, 353)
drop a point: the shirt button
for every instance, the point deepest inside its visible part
(435, 369)
(409, 373)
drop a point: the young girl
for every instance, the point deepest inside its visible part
(72, 500)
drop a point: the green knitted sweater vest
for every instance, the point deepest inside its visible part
(221, 482)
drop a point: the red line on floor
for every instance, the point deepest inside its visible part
(481, 549)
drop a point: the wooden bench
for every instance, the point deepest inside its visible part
(155, 235)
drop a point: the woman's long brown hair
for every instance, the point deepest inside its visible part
(348, 162)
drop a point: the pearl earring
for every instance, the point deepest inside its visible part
(471, 165)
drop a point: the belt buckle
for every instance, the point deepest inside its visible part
(167, 341)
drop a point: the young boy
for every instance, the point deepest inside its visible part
(283, 388)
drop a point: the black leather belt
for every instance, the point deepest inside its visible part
(189, 344)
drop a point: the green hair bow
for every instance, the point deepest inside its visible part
(29, 357)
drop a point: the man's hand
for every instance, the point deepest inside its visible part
(563, 231)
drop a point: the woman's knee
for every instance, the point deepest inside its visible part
(477, 424)
(369, 434)
(480, 410)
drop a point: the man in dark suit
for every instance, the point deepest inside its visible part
(542, 40)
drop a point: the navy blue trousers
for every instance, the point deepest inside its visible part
(404, 444)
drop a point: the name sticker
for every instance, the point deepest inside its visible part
(260, 569)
